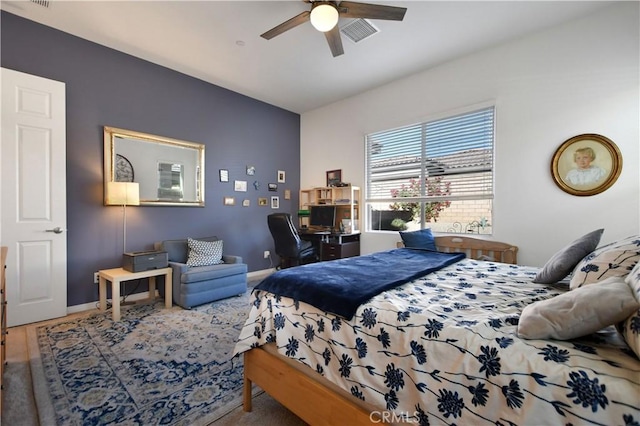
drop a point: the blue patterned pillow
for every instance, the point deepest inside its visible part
(613, 260)
(633, 279)
(204, 253)
(631, 332)
(630, 328)
(419, 239)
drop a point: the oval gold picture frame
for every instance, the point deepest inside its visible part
(586, 164)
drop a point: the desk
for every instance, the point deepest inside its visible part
(118, 275)
(337, 250)
(333, 245)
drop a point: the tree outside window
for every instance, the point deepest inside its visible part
(434, 187)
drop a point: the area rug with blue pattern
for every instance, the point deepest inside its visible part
(156, 366)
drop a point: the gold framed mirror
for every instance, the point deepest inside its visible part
(170, 172)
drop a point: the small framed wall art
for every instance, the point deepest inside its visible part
(275, 202)
(334, 177)
(123, 169)
(586, 164)
(262, 201)
(229, 201)
(281, 176)
(224, 175)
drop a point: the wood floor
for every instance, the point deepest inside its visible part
(18, 404)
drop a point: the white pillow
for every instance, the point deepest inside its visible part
(578, 312)
(204, 253)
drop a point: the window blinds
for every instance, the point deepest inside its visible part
(458, 150)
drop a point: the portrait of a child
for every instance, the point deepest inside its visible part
(585, 173)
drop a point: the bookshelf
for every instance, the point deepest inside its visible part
(345, 198)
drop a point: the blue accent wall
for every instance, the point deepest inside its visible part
(105, 87)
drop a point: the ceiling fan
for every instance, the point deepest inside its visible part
(324, 17)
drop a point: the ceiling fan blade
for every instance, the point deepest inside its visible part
(334, 40)
(287, 25)
(350, 9)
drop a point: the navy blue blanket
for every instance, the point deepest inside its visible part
(340, 286)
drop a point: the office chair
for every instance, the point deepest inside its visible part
(289, 247)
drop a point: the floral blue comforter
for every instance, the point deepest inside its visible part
(443, 349)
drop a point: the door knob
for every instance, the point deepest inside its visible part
(56, 230)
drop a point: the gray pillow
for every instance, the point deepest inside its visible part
(562, 263)
(578, 312)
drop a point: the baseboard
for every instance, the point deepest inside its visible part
(94, 305)
(251, 276)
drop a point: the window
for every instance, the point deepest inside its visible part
(437, 174)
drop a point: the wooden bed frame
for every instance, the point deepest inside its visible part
(478, 249)
(307, 394)
(315, 399)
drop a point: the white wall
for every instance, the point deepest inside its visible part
(580, 77)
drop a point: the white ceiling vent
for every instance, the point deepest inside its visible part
(43, 3)
(358, 30)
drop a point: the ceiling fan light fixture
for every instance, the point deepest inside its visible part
(324, 17)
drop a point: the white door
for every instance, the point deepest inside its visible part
(33, 213)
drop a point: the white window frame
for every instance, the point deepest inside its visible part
(486, 193)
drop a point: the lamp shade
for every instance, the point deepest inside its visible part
(123, 194)
(324, 17)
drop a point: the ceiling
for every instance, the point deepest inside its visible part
(219, 41)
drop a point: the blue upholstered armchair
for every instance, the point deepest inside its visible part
(195, 285)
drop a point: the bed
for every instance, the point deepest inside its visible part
(442, 348)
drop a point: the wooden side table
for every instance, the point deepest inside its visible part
(118, 275)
